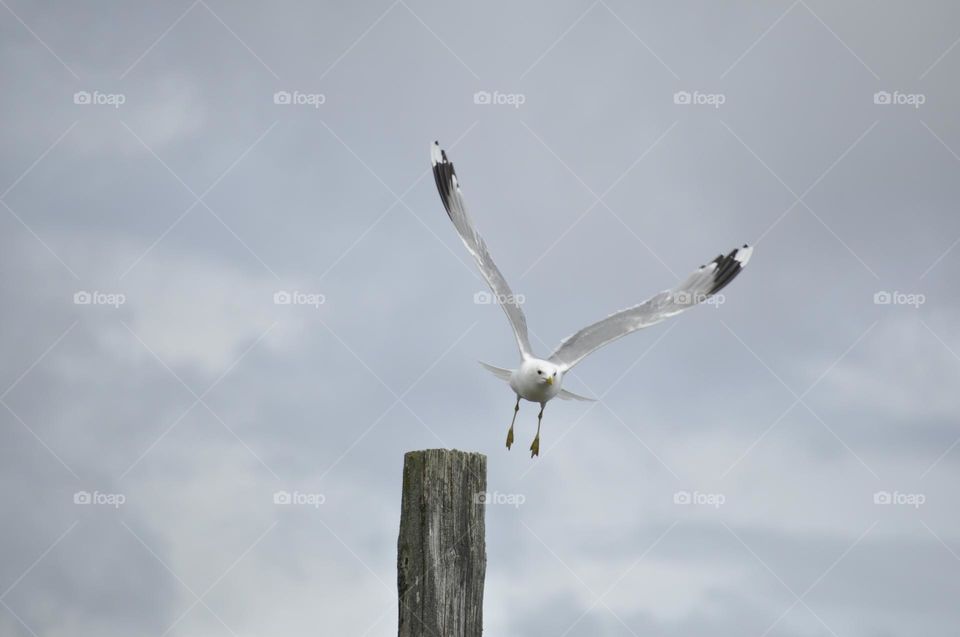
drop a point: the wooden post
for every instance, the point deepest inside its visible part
(441, 551)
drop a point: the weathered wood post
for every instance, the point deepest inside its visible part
(441, 552)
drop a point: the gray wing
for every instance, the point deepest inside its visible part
(456, 208)
(699, 286)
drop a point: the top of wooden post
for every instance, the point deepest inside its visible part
(441, 549)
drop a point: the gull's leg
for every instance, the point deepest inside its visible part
(516, 408)
(535, 445)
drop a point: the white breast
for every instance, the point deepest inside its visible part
(533, 390)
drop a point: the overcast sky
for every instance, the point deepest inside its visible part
(782, 463)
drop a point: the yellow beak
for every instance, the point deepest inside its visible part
(549, 380)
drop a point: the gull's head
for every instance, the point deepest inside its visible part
(541, 372)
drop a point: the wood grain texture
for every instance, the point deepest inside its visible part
(441, 551)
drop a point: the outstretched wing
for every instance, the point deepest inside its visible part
(699, 286)
(449, 188)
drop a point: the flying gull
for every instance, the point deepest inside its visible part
(539, 380)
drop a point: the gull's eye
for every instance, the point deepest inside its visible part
(554, 373)
(540, 371)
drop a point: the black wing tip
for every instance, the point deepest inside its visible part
(443, 174)
(729, 266)
(437, 154)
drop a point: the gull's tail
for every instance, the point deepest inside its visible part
(569, 395)
(499, 372)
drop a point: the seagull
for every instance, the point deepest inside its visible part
(539, 380)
